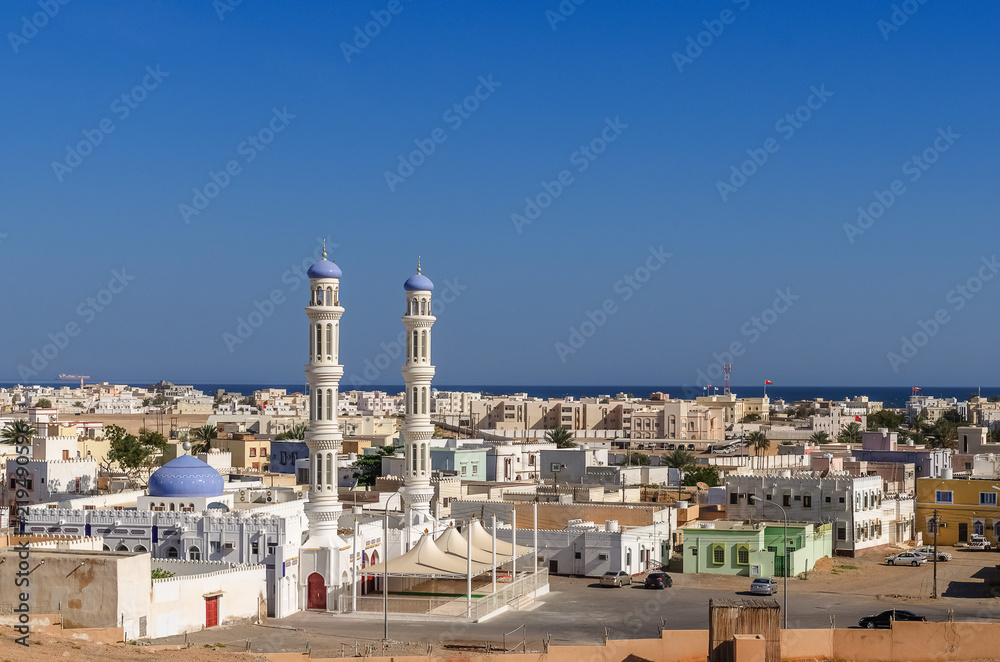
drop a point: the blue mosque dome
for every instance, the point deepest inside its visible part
(186, 476)
(418, 282)
(324, 268)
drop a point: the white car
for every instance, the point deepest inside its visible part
(928, 551)
(977, 541)
(906, 558)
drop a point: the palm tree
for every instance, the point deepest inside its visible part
(561, 437)
(679, 459)
(759, 442)
(819, 438)
(202, 438)
(18, 433)
(851, 434)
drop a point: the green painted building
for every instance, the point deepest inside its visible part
(754, 550)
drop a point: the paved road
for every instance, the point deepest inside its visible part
(576, 610)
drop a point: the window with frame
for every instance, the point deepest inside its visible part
(786, 499)
(987, 498)
(253, 452)
(734, 498)
(807, 501)
(718, 554)
(743, 555)
(943, 496)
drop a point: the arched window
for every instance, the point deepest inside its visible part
(312, 343)
(329, 471)
(171, 552)
(171, 506)
(329, 296)
(413, 455)
(423, 457)
(139, 549)
(319, 341)
(977, 527)
(329, 404)
(423, 400)
(121, 548)
(409, 346)
(422, 307)
(416, 409)
(329, 341)
(194, 554)
(415, 345)
(423, 345)
(318, 471)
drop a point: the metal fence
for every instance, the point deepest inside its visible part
(453, 607)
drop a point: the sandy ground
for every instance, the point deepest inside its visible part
(47, 648)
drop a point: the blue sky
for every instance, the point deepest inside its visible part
(335, 127)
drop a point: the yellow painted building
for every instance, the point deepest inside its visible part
(964, 507)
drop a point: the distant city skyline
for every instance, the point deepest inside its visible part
(617, 195)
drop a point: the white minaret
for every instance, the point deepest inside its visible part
(323, 372)
(417, 373)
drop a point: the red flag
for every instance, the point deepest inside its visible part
(915, 389)
(857, 419)
(768, 381)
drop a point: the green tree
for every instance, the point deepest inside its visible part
(705, 474)
(850, 434)
(297, 431)
(133, 454)
(953, 416)
(561, 437)
(759, 442)
(750, 418)
(369, 466)
(820, 437)
(884, 418)
(18, 432)
(637, 459)
(79, 405)
(202, 438)
(160, 573)
(679, 459)
(43, 403)
(918, 438)
(945, 434)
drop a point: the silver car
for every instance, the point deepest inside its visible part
(906, 558)
(763, 586)
(618, 579)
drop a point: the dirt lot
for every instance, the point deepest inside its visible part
(47, 648)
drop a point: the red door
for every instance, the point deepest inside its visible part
(317, 592)
(212, 611)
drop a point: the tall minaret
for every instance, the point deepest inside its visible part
(417, 373)
(323, 372)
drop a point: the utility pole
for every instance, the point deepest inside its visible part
(936, 524)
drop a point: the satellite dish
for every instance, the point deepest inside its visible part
(702, 486)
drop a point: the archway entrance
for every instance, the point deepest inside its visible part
(317, 592)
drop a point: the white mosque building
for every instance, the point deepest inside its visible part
(314, 550)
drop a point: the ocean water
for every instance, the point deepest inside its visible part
(890, 396)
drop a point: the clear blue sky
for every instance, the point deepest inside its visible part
(655, 185)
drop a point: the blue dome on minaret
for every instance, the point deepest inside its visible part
(186, 476)
(418, 282)
(324, 268)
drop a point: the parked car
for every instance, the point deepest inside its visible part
(977, 541)
(763, 586)
(928, 551)
(906, 558)
(885, 619)
(658, 580)
(618, 579)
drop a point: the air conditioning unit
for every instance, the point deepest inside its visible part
(243, 496)
(270, 496)
(228, 545)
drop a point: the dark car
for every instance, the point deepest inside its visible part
(885, 619)
(658, 580)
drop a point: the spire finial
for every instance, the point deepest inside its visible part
(324, 248)
(418, 264)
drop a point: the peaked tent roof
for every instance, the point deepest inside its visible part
(481, 539)
(426, 559)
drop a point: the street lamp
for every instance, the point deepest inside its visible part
(385, 566)
(784, 565)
